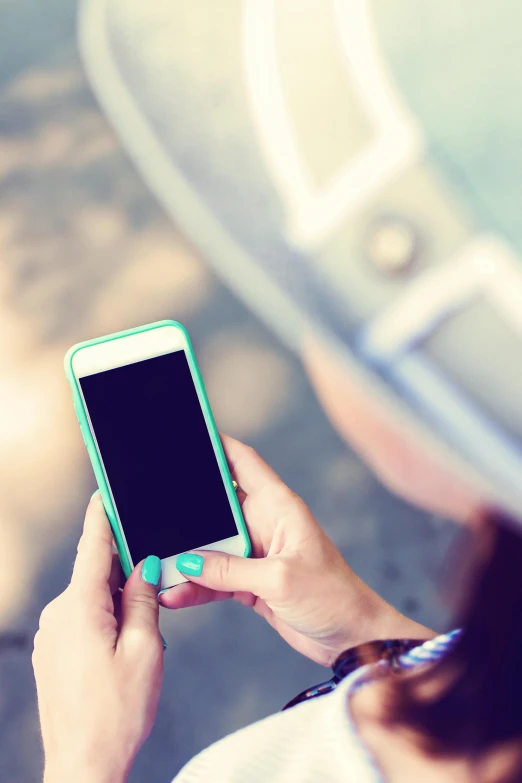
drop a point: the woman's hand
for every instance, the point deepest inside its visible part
(296, 580)
(98, 678)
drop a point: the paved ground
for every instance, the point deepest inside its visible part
(84, 249)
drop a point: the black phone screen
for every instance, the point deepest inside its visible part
(158, 456)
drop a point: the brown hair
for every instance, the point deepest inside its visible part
(479, 682)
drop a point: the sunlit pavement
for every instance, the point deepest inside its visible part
(85, 250)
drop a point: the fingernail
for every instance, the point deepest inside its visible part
(94, 494)
(190, 564)
(165, 645)
(165, 590)
(151, 570)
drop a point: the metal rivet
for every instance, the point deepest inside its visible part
(392, 244)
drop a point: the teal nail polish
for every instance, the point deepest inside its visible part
(151, 570)
(190, 564)
(165, 590)
(165, 645)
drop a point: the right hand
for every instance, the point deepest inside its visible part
(296, 579)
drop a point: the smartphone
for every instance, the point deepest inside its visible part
(154, 447)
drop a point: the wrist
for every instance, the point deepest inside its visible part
(374, 620)
(394, 625)
(82, 771)
(81, 776)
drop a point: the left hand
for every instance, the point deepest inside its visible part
(98, 678)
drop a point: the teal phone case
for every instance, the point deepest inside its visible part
(93, 452)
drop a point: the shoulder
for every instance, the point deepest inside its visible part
(314, 741)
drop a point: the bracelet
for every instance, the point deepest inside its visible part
(348, 661)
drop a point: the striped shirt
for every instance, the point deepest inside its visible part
(313, 742)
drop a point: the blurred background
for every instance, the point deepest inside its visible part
(85, 250)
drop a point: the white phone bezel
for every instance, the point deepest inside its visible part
(129, 349)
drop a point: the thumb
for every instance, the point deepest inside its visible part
(139, 605)
(230, 573)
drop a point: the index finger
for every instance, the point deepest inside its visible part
(250, 470)
(93, 563)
